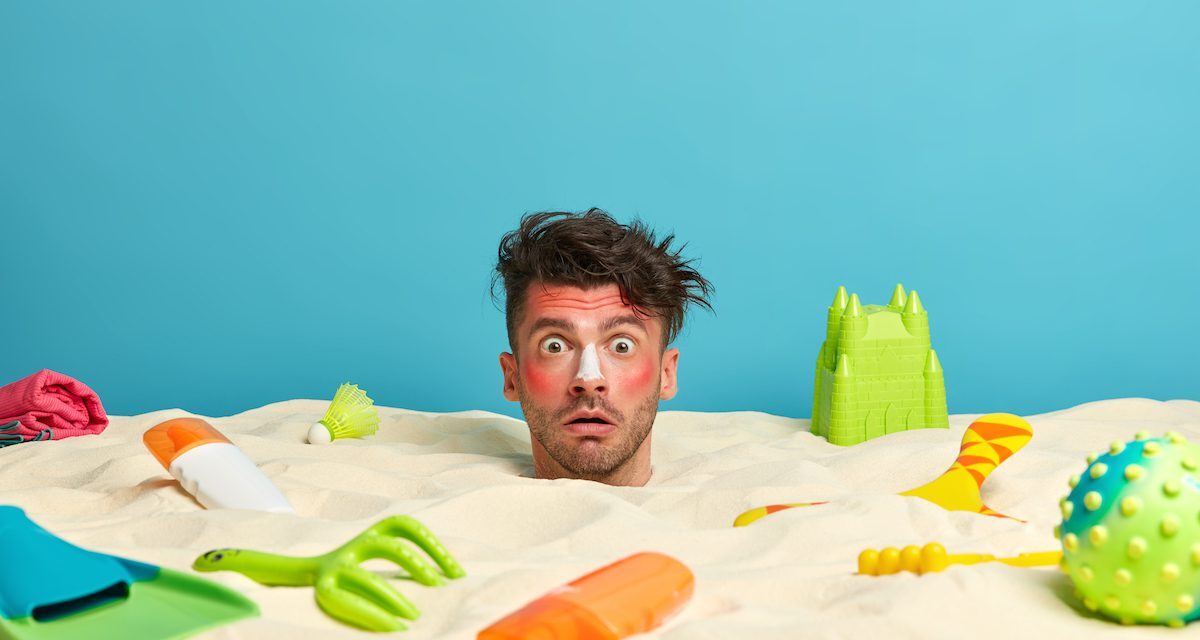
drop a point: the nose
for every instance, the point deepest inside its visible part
(585, 388)
(589, 380)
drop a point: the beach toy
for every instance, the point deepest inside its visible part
(933, 557)
(1131, 531)
(877, 372)
(212, 468)
(52, 590)
(630, 596)
(351, 415)
(987, 443)
(344, 590)
(1130, 535)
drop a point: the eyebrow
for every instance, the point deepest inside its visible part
(618, 321)
(609, 325)
(555, 323)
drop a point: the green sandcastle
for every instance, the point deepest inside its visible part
(877, 373)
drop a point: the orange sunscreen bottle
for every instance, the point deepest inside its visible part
(212, 468)
(630, 596)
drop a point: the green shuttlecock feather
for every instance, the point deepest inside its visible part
(351, 415)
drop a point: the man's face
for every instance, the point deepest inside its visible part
(589, 371)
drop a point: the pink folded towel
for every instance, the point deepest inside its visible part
(49, 406)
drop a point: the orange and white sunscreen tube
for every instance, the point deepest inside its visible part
(630, 596)
(212, 468)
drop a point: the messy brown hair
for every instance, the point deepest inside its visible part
(592, 249)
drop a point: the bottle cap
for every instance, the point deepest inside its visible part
(168, 440)
(630, 596)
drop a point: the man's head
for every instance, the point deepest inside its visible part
(591, 307)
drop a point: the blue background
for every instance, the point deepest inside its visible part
(219, 205)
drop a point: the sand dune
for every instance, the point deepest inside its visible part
(466, 476)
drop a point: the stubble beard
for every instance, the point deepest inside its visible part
(590, 458)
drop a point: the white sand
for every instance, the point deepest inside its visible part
(465, 475)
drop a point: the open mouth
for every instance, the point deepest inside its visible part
(588, 416)
(589, 423)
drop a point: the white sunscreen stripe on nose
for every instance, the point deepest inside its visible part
(589, 364)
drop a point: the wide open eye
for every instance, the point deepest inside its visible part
(554, 344)
(622, 346)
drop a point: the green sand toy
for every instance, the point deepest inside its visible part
(876, 371)
(345, 590)
(52, 590)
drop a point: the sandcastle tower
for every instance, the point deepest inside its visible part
(876, 372)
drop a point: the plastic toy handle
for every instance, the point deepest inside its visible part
(1035, 559)
(933, 558)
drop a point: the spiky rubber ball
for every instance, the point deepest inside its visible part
(1131, 531)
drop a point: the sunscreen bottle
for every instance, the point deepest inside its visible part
(212, 468)
(630, 596)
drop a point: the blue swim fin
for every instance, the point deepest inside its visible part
(52, 590)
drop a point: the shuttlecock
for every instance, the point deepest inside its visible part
(351, 415)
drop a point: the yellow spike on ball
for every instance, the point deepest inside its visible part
(351, 415)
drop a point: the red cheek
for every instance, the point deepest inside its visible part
(641, 375)
(538, 380)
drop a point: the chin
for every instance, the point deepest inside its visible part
(589, 458)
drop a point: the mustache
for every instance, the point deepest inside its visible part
(589, 403)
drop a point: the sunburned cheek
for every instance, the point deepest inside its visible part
(538, 380)
(639, 376)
